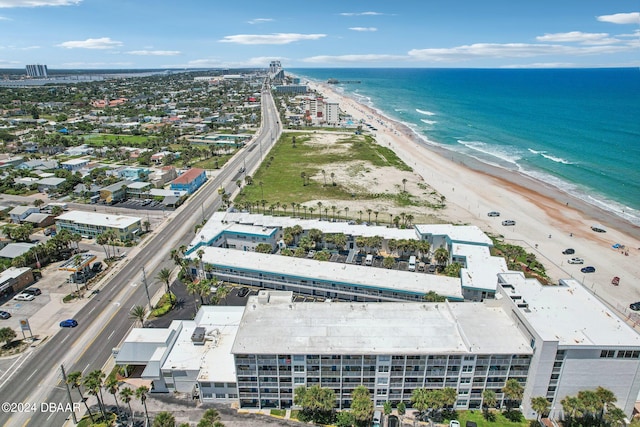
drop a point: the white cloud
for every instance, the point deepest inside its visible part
(37, 3)
(278, 38)
(361, 13)
(154, 52)
(255, 62)
(363, 29)
(260, 20)
(4, 18)
(578, 37)
(621, 18)
(101, 43)
(95, 64)
(355, 58)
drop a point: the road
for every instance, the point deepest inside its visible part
(104, 320)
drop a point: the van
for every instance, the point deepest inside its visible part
(377, 417)
(421, 266)
(412, 263)
(368, 260)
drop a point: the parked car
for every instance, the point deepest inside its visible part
(32, 291)
(311, 254)
(431, 269)
(24, 297)
(5, 315)
(493, 213)
(598, 229)
(454, 423)
(588, 269)
(635, 306)
(509, 222)
(243, 292)
(69, 323)
(576, 261)
(569, 251)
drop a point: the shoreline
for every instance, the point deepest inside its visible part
(548, 219)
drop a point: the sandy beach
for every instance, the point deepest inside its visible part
(547, 219)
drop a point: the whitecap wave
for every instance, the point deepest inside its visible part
(555, 159)
(429, 122)
(532, 151)
(509, 156)
(426, 113)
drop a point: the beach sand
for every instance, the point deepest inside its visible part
(547, 219)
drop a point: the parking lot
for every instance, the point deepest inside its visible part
(146, 204)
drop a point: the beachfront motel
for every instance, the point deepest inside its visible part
(496, 325)
(555, 340)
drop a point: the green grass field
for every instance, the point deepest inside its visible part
(280, 173)
(476, 416)
(99, 140)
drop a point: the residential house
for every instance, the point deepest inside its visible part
(74, 165)
(160, 177)
(38, 164)
(47, 185)
(40, 220)
(19, 213)
(114, 193)
(138, 190)
(14, 250)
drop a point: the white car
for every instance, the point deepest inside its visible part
(576, 261)
(493, 213)
(24, 297)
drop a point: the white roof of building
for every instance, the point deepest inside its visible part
(138, 185)
(95, 218)
(569, 313)
(12, 273)
(142, 343)
(213, 359)
(14, 250)
(162, 192)
(51, 181)
(482, 268)
(74, 162)
(309, 269)
(273, 324)
(19, 210)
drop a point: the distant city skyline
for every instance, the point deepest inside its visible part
(116, 34)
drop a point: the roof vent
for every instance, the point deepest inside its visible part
(197, 337)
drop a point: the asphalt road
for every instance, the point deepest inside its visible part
(104, 321)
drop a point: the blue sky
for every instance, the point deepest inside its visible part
(327, 33)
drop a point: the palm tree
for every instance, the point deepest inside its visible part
(320, 209)
(333, 175)
(113, 385)
(93, 384)
(141, 393)
(303, 175)
(541, 405)
(404, 184)
(369, 212)
(324, 174)
(126, 394)
(164, 419)
(200, 254)
(346, 212)
(488, 401)
(138, 312)
(164, 276)
(74, 379)
(222, 292)
(512, 390)
(441, 255)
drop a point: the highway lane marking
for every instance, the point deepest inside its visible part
(65, 338)
(32, 374)
(86, 367)
(91, 311)
(12, 371)
(111, 334)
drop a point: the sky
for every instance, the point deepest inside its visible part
(136, 34)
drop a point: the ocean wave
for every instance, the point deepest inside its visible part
(426, 113)
(429, 122)
(556, 159)
(508, 156)
(550, 157)
(399, 110)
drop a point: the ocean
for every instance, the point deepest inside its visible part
(575, 129)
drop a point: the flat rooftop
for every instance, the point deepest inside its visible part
(273, 324)
(456, 233)
(213, 359)
(99, 219)
(569, 313)
(333, 272)
(482, 268)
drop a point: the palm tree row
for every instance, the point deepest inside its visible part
(108, 240)
(93, 384)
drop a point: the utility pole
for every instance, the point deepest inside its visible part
(146, 288)
(64, 377)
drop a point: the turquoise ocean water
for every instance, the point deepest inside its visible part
(576, 129)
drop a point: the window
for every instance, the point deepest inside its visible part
(627, 354)
(205, 384)
(221, 396)
(383, 381)
(218, 385)
(607, 353)
(298, 380)
(298, 368)
(384, 358)
(383, 369)
(467, 368)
